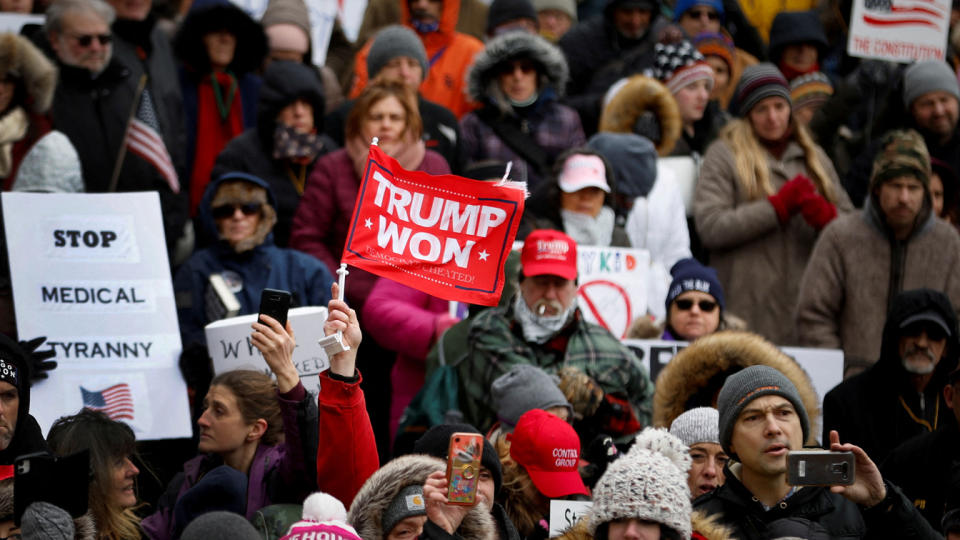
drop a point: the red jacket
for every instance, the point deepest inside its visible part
(449, 53)
(347, 453)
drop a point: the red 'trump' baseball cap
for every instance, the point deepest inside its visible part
(547, 251)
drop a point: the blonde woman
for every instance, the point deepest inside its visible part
(765, 191)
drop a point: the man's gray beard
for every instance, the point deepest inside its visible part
(536, 328)
(917, 369)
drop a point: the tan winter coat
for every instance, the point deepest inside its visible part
(845, 291)
(759, 262)
(694, 376)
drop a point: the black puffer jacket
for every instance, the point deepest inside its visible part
(735, 507)
(879, 409)
(252, 152)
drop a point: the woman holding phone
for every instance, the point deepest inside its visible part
(263, 428)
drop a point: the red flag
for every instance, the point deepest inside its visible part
(444, 235)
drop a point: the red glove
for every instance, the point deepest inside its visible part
(787, 201)
(817, 210)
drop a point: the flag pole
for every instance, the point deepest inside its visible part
(126, 132)
(333, 344)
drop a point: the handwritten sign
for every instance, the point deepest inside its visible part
(90, 272)
(566, 514)
(899, 30)
(613, 285)
(228, 341)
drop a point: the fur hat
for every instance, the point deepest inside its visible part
(698, 425)
(322, 514)
(21, 60)
(759, 82)
(394, 41)
(743, 387)
(648, 483)
(901, 152)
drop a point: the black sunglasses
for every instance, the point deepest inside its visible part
(934, 332)
(698, 13)
(86, 39)
(227, 210)
(706, 306)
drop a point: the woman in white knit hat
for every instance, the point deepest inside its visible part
(699, 429)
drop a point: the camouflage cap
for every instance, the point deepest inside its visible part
(902, 152)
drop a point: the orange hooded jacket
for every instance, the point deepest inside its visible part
(449, 53)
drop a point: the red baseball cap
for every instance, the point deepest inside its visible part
(549, 449)
(549, 252)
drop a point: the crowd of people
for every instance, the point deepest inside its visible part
(824, 212)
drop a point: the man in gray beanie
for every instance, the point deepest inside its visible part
(699, 429)
(761, 420)
(397, 54)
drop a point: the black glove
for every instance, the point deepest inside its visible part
(38, 362)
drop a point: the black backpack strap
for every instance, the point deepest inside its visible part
(518, 141)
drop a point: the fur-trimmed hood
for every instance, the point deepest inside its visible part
(482, 77)
(37, 74)
(694, 376)
(366, 511)
(207, 16)
(636, 96)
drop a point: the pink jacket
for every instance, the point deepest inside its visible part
(403, 320)
(323, 217)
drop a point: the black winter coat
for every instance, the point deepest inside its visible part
(879, 409)
(921, 467)
(93, 114)
(736, 508)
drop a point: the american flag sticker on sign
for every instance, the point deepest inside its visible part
(115, 401)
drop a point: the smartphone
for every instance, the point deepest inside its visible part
(61, 481)
(275, 303)
(820, 468)
(463, 468)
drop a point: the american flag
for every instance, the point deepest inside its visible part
(892, 13)
(144, 140)
(116, 401)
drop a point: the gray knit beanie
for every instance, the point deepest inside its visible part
(747, 385)
(523, 388)
(394, 41)
(44, 520)
(697, 426)
(220, 525)
(928, 76)
(566, 6)
(649, 483)
(407, 503)
(758, 82)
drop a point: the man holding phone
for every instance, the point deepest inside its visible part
(762, 419)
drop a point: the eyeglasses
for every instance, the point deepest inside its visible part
(86, 39)
(706, 306)
(933, 331)
(700, 13)
(228, 210)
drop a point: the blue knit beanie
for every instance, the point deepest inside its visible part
(690, 275)
(683, 5)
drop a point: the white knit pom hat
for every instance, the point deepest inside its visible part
(649, 483)
(322, 514)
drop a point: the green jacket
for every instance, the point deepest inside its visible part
(496, 344)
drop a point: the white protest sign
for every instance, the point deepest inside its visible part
(566, 514)
(824, 366)
(613, 285)
(899, 30)
(228, 342)
(90, 272)
(14, 22)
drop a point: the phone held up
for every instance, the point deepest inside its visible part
(463, 468)
(275, 303)
(820, 468)
(60, 481)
